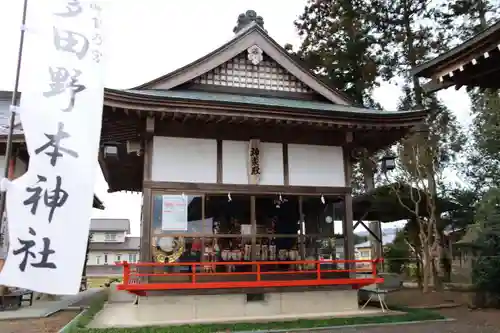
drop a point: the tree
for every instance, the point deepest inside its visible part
(341, 46)
(486, 268)
(405, 28)
(398, 253)
(358, 239)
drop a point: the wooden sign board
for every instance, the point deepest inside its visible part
(254, 158)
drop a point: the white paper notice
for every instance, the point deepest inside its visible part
(49, 207)
(174, 213)
(246, 229)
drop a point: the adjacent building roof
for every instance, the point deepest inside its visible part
(474, 63)
(130, 244)
(471, 235)
(5, 100)
(110, 225)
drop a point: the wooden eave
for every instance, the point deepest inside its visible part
(219, 112)
(251, 35)
(473, 63)
(464, 53)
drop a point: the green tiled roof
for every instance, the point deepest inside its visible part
(470, 235)
(190, 95)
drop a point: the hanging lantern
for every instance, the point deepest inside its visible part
(388, 162)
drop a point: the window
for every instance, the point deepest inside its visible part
(98, 260)
(132, 257)
(110, 236)
(365, 254)
(118, 257)
(105, 259)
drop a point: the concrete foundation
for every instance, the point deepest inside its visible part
(191, 309)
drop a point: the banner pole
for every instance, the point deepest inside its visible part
(12, 117)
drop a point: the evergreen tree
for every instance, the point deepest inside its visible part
(405, 28)
(340, 45)
(486, 268)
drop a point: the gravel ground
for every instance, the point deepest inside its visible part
(51, 324)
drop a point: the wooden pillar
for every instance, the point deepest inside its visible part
(348, 213)
(253, 221)
(146, 227)
(302, 237)
(348, 232)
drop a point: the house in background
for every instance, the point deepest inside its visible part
(363, 251)
(110, 243)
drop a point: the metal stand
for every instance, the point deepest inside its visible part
(377, 293)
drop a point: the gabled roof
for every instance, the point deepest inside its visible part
(252, 35)
(266, 101)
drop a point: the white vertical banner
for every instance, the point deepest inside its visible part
(49, 207)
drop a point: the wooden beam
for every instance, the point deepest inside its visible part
(246, 189)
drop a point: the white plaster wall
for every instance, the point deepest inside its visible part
(184, 160)
(100, 237)
(311, 165)
(235, 163)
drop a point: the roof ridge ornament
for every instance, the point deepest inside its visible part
(255, 55)
(244, 19)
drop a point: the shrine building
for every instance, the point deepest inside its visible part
(242, 158)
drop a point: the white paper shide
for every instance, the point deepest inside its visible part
(49, 207)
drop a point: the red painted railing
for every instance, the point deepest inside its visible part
(133, 273)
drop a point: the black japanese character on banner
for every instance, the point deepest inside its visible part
(35, 197)
(55, 143)
(72, 42)
(52, 199)
(25, 249)
(62, 80)
(55, 198)
(73, 8)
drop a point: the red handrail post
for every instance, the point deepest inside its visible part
(374, 267)
(258, 271)
(193, 273)
(318, 270)
(126, 273)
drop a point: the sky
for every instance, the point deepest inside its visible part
(149, 38)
